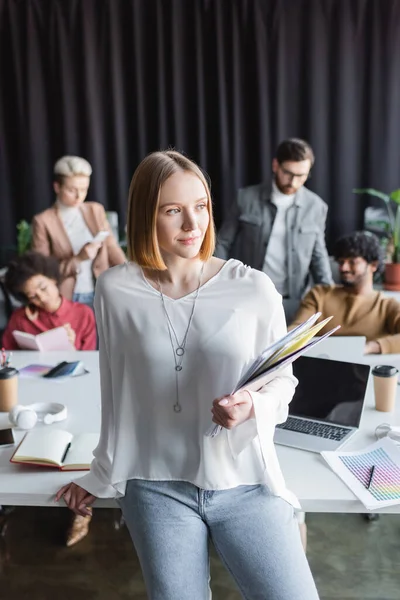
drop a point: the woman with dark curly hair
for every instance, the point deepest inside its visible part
(35, 279)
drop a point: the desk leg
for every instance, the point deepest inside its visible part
(369, 517)
(5, 512)
(119, 521)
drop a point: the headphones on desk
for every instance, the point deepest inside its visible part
(390, 431)
(26, 417)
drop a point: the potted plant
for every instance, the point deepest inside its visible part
(392, 263)
(24, 237)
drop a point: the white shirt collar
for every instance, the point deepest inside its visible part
(278, 197)
(67, 209)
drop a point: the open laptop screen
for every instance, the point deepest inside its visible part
(329, 390)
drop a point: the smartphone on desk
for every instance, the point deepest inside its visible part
(66, 369)
(6, 437)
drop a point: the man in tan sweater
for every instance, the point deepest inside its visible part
(354, 304)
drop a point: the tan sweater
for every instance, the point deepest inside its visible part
(376, 317)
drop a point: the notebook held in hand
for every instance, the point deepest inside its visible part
(51, 340)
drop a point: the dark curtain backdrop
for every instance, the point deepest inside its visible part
(222, 80)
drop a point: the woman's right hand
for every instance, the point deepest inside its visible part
(71, 334)
(76, 498)
(89, 251)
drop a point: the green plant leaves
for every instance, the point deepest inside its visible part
(24, 237)
(393, 213)
(373, 192)
(395, 196)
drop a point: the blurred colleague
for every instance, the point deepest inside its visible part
(34, 278)
(279, 227)
(354, 304)
(68, 231)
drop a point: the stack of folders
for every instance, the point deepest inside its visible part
(278, 355)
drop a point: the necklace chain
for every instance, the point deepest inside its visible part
(180, 349)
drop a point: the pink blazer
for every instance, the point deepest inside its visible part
(50, 238)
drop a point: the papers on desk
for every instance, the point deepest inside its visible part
(60, 371)
(278, 355)
(34, 371)
(355, 470)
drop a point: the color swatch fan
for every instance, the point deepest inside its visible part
(372, 474)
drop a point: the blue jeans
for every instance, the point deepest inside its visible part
(255, 534)
(87, 298)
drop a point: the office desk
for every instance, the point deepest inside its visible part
(306, 473)
(35, 486)
(309, 477)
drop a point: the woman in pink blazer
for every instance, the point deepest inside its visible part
(76, 233)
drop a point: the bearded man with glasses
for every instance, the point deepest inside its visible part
(279, 227)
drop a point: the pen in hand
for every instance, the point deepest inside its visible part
(371, 475)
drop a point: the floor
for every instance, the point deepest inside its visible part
(350, 559)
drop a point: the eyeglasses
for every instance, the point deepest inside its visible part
(291, 176)
(351, 261)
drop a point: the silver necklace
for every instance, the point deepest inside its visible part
(180, 348)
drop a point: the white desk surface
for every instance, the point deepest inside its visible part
(388, 293)
(306, 473)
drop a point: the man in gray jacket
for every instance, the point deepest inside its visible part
(279, 227)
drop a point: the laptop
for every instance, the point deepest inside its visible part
(340, 347)
(327, 405)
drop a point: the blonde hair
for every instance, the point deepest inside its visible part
(69, 166)
(143, 202)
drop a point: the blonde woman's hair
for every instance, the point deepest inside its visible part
(69, 166)
(143, 202)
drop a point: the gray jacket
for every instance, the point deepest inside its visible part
(245, 235)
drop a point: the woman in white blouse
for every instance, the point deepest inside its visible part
(177, 327)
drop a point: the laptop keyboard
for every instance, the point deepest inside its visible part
(330, 432)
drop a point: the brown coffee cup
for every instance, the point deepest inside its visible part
(385, 387)
(8, 388)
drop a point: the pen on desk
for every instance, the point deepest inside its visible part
(370, 477)
(66, 452)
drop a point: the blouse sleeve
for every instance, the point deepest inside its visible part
(97, 481)
(271, 402)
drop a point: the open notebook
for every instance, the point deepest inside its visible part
(56, 448)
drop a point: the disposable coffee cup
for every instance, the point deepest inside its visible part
(8, 388)
(385, 387)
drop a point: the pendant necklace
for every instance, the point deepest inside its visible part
(179, 348)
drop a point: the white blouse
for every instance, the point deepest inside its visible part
(238, 313)
(79, 235)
